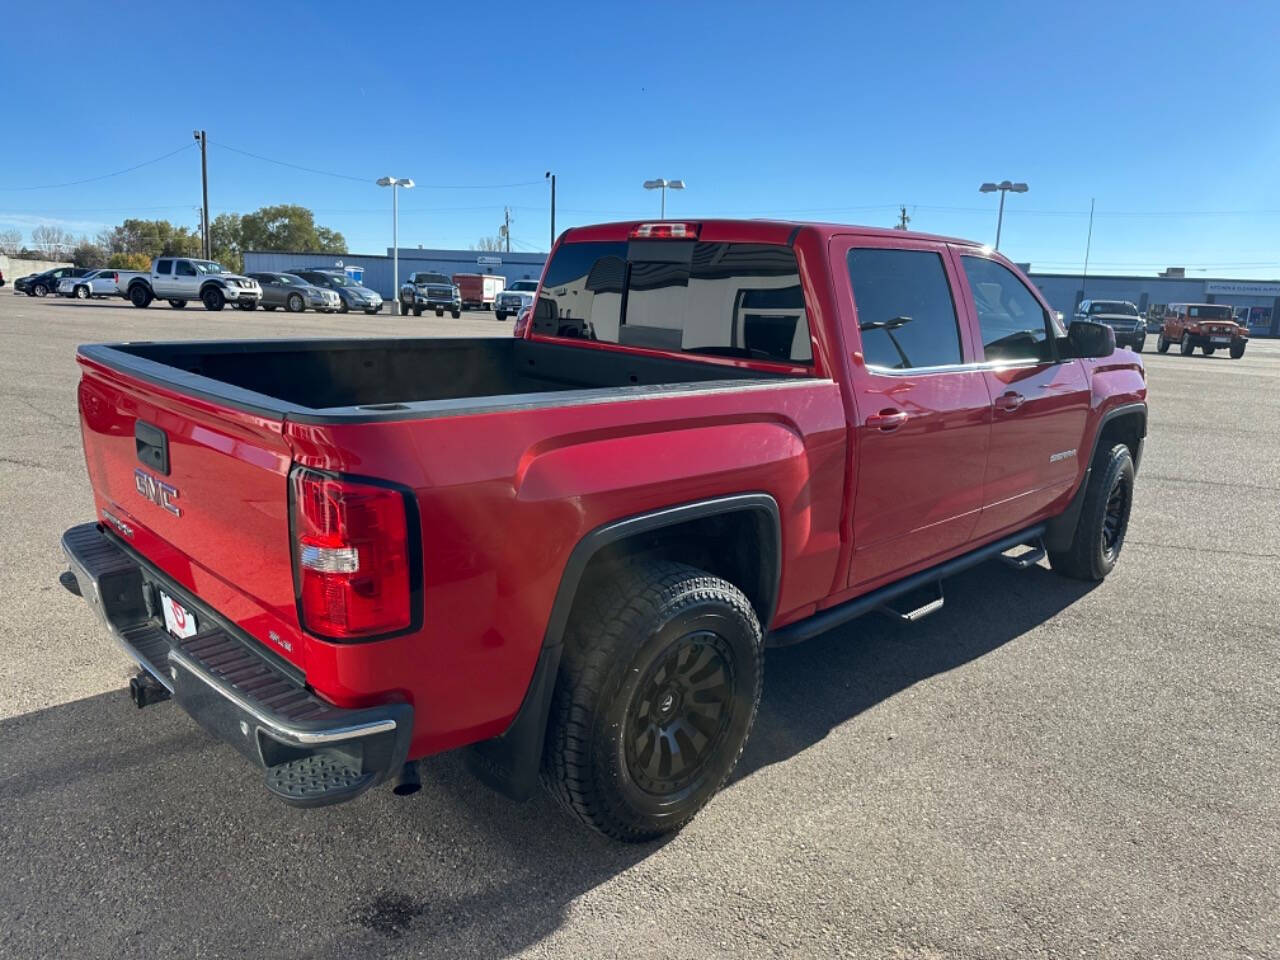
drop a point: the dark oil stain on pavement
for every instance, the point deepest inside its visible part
(390, 914)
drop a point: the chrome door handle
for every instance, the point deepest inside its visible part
(887, 420)
(1008, 402)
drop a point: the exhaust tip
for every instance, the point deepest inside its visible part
(407, 781)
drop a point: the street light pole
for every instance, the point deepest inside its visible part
(1004, 186)
(663, 185)
(395, 183)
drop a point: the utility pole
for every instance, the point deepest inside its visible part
(903, 219)
(506, 227)
(202, 139)
(552, 177)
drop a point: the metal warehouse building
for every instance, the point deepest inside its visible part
(378, 268)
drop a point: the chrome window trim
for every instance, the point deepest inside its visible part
(959, 367)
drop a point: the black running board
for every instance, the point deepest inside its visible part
(826, 620)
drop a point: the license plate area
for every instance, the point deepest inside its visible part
(178, 620)
(1221, 341)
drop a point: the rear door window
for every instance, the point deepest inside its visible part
(906, 314)
(1015, 327)
(738, 300)
(164, 267)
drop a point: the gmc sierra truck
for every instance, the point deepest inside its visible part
(566, 551)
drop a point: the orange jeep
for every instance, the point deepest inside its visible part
(1204, 325)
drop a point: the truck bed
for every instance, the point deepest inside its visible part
(400, 378)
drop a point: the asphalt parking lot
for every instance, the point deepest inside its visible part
(1043, 769)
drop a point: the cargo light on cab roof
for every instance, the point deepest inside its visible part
(665, 230)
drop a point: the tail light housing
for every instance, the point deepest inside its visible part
(356, 556)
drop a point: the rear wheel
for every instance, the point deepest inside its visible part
(455, 314)
(178, 304)
(295, 303)
(1185, 346)
(657, 691)
(1208, 351)
(212, 298)
(1104, 519)
(140, 296)
(1162, 345)
(1237, 349)
(267, 307)
(417, 311)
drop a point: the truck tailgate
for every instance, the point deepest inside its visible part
(200, 491)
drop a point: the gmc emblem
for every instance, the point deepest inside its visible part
(157, 491)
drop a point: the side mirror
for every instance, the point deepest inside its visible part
(1085, 338)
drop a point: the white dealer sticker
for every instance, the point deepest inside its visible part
(177, 619)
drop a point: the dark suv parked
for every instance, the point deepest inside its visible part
(43, 284)
(1121, 316)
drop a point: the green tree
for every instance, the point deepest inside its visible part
(155, 238)
(129, 261)
(288, 227)
(88, 254)
(225, 241)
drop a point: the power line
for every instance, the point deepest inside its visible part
(345, 176)
(105, 176)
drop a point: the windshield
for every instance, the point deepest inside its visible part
(207, 266)
(1209, 312)
(526, 285)
(339, 280)
(292, 281)
(1113, 306)
(430, 278)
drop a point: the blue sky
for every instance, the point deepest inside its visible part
(1168, 114)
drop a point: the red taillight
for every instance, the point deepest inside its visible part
(665, 230)
(352, 556)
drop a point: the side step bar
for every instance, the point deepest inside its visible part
(825, 620)
(931, 601)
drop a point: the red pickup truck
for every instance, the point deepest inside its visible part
(566, 551)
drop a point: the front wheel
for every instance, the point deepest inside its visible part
(82, 293)
(1237, 350)
(455, 314)
(417, 311)
(1185, 346)
(212, 298)
(40, 290)
(1104, 519)
(295, 304)
(500, 315)
(1162, 345)
(656, 694)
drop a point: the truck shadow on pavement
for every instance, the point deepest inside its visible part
(137, 832)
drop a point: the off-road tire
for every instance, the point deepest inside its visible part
(212, 298)
(1237, 350)
(1208, 351)
(1100, 530)
(140, 296)
(295, 303)
(1162, 345)
(649, 630)
(1185, 346)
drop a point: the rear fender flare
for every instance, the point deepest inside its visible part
(509, 762)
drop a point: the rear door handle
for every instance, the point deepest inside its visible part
(887, 420)
(1010, 401)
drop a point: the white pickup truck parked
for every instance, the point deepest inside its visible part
(182, 279)
(515, 298)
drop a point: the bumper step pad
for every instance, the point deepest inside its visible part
(312, 752)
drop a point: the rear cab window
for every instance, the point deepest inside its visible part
(712, 299)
